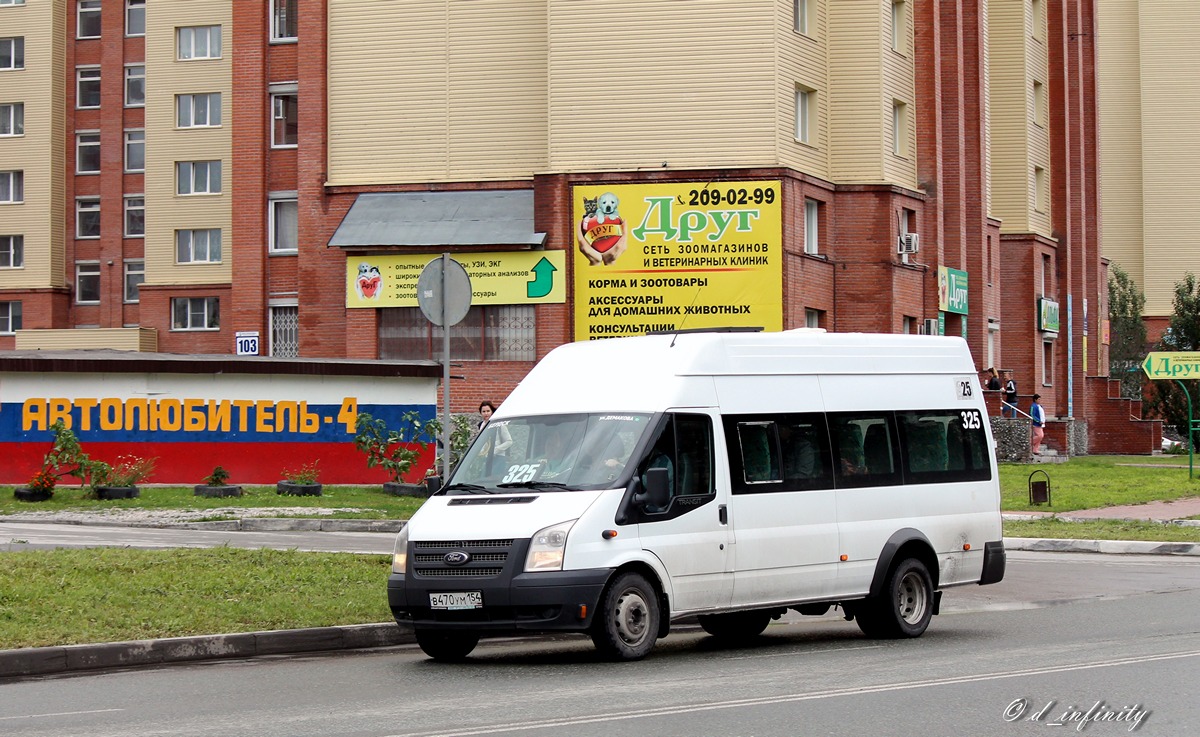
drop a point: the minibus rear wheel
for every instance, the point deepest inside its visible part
(447, 646)
(737, 626)
(626, 624)
(903, 608)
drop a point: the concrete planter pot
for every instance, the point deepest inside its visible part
(294, 489)
(117, 492)
(25, 494)
(216, 491)
(396, 488)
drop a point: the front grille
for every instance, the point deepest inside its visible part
(463, 544)
(457, 572)
(488, 558)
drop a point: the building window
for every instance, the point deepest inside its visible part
(10, 317)
(283, 238)
(285, 331)
(812, 232)
(1048, 363)
(88, 20)
(1046, 281)
(812, 318)
(87, 282)
(283, 20)
(1038, 18)
(908, 325)
(87, 153)
(12, 53)
(198, 42)
(284, 120)
(12, 2)
(87, 217)
(87, 87)
(1039, 189)
(135, 217)
(899, 25)
(135, 86)
(12, 251)
(135, 151)
(135, 17)
(195, 313)
(1039, 103)
(487, 333)
(201, 246)
(805, 108)
(135, 275)
(12, 187)
(899, 128)
(12, 119)
(800, 16)
(198, 111)
(198, 177)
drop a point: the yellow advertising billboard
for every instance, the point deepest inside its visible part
(675, 256)
(503, 278)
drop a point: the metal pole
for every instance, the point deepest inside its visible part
(1191, 430)
(445, 376)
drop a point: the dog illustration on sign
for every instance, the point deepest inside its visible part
(369, 281)
(601, 231)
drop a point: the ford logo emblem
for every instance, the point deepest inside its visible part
(457, 558)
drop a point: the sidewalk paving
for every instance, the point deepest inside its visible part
(51, 660)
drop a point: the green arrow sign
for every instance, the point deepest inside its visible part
(1161, 365)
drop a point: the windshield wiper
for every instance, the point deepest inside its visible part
(473, 488)
(532, 485)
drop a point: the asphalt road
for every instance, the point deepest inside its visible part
(42, 535)
(1062, 633)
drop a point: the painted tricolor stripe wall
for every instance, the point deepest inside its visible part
(253, 425)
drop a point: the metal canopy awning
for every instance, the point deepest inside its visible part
(475, 218)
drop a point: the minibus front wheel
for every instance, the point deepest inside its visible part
(903, 608)
(626, 624)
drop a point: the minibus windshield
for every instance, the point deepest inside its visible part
(550, 452)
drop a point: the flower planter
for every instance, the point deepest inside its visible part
(294, 489)
(214, 491)
(25, 494)
(401, 489)
(117, 492)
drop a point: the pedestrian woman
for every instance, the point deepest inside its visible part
(1038, 417)
(503, 437)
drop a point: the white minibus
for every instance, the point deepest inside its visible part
(729, 476)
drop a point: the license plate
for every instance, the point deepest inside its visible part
(457, 600)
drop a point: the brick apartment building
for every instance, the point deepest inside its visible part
(176, 172)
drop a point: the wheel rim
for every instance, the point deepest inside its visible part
(633, 617)
(912, 598)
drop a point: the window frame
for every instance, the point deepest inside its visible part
(190, 179)
(191, 108)
(800, 16)
(10, 317)
(80, 275)
(482, 331)
(127, 209)
(129, 6)
(215, 315)
(15, 119)
(92, 147)
(805, 102)
(82, 205)
(192, 33)
(274, 15)
(80, 71)
(812, 226)
(273, 224)
(16, 186)
(133, 267)
(126, 147)
(277, 98)
(191, 234)
(276, 329)
(12, 248)
(16, 53)
(899, 19)
(131, 77)
(94, 14)
(899, 128)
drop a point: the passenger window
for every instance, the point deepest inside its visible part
(943, 446)
(804, 445)
(760, 457)
(864, 445)
(685, 449)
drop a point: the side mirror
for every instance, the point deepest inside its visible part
(432, 485)
(657, 496)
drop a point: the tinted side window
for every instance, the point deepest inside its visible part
(865, 449)
(786, 452)
(942, 446)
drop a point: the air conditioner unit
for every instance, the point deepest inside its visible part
(929, 326)
(909, 243)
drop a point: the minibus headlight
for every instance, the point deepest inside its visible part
(547, 546)
(400, 552)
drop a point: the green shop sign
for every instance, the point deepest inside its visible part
(952, 290)
(1047, 315)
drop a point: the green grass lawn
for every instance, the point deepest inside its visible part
(1099, 481)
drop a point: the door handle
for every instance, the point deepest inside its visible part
(723, 514)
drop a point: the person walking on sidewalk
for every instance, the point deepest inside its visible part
(1038, 418)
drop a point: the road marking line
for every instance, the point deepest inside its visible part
(768, 700)
(61, 714)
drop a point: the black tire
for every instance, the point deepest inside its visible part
(626, 624)
(735, 627)
(903, 608)
(447, 646)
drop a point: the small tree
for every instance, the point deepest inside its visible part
(1167, 399)
(66, 457)
(460, 438)
(1127, 349)
(391, 449)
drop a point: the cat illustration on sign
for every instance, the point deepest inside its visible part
(601, 231)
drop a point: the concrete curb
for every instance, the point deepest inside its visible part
(1112, 547)
(36, 661)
